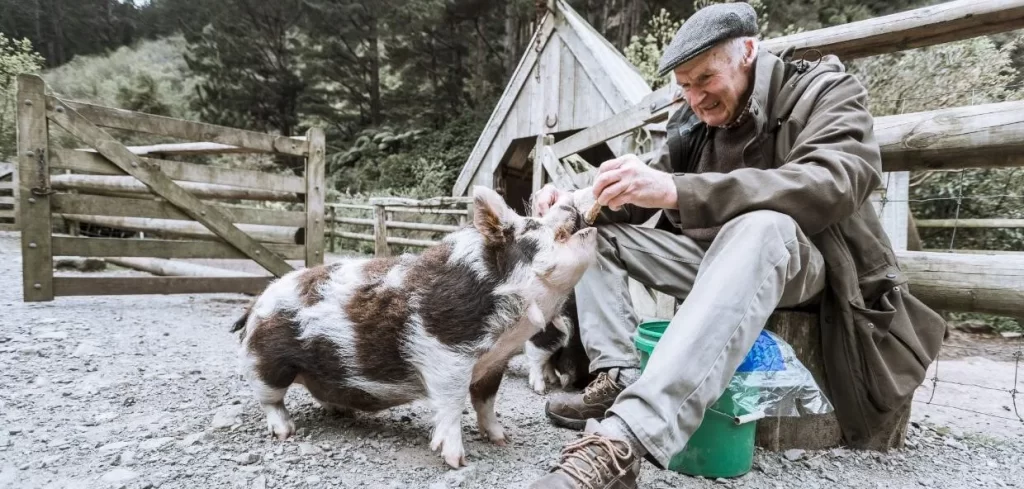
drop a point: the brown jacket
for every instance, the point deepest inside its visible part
(813, 123)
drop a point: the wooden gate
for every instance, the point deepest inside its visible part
(130, 188)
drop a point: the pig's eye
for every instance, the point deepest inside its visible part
(562, 235)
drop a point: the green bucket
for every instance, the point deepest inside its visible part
(721, 446)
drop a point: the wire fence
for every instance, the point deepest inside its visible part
(935, 379)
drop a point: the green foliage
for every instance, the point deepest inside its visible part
(149, 77)
(16, 57)
(971, 72)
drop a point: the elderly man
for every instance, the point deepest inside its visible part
(764, 186)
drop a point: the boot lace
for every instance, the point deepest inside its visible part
(589, 459)
(601, 386)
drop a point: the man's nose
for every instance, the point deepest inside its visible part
(696, 96)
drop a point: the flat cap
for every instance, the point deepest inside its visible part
(705, 28)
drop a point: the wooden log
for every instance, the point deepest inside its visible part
(193, 131)
(380, 231)
(980, 136)
(99, 205)
(191, 229)
(316, 180)
(92, 162)
(809, 431)
(33, 185)
(431, 202)
(85, 286)
(927, 26)
(105, 185)
(971, 223)
(171, 268)
(991, 284)
(422, 243)
(160, 248)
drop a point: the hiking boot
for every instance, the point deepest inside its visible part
(595, 461)
(573, 410)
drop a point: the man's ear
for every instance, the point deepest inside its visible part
(490, 214)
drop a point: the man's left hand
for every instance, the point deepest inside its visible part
(627, 180)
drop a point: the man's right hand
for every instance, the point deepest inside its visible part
(545, 198)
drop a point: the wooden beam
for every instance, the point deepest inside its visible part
(555, 170)
(84, 286)
(316, 167)
(99, 205)
(104, 184)
(980, 136)
(652, 108)
(160, 248)
(971, 223)
(192, 131)
(33, 190)
(991, 284)
(505, 102)
(190, 229)
(171, 268)
(84, 161)
(926, 26)
(380, 231)
(431, 202)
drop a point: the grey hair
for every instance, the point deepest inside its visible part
(734, 48)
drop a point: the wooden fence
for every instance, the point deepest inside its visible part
(379, 216)
(187, 205)
(7, 197)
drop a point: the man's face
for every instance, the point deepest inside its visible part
(714, 82)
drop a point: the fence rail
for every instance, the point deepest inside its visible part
(381, 219)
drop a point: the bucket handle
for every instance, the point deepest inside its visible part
(741, 419)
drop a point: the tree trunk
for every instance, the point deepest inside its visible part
(374, 54)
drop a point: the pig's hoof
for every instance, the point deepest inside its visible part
(282, 430)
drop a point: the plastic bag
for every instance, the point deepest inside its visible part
(772, 382)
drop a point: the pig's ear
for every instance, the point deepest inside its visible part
(490, 214)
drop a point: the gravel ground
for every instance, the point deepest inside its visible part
(142, 392)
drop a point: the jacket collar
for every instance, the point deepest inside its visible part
(767, 80)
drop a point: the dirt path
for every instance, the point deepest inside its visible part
(142, 392)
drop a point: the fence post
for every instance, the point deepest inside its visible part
(315, 182)
(380, 231)
(34, 190)
(334, 227)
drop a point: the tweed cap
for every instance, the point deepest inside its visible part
(705, 28)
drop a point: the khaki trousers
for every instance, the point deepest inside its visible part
(758, 261)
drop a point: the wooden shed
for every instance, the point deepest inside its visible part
(570, 78)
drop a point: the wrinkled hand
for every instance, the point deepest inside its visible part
(545, 198)
(627, 180)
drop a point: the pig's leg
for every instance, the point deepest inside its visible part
(483, 392)
(447, 384)
(272, 401)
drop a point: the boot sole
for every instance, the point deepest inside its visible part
(564, 422)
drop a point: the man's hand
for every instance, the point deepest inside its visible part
(545, 198)
(627, 180)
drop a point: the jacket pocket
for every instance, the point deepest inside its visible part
(892, 356)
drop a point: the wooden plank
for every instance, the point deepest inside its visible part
(91, 162)
(519, 78)
(555, 170)
(6, 185)
(422, 243)
(616, 125)
(316, 167)
(6, 200)
(615, 96)
(356, 236)
(192, 131)
(34, 208)
(991, 284)
(380, 231)
(160, 248)
(894, 210)
(927, 26)
(431, 202)
(129, 185)
(99, 205)
(85, 286)
(173, 268)
(162, 185)
(190, 229)
(6, 213)
(971, 223)
(566, 89)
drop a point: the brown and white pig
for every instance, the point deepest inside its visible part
(368, 334)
